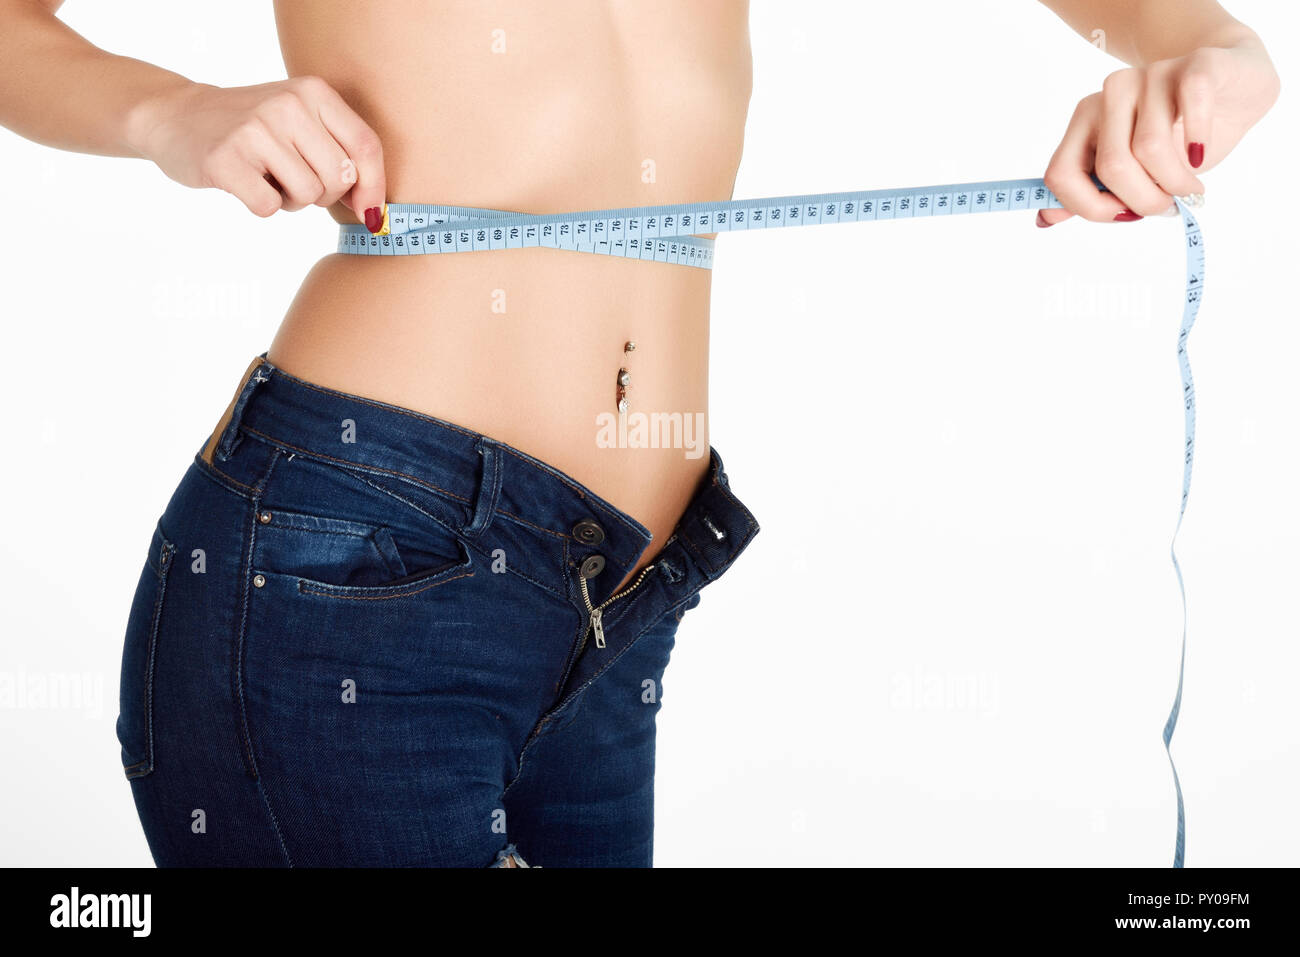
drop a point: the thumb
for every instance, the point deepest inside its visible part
(367, 204)
(1050, 217)
(1195, 94)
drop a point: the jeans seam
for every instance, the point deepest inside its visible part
(402, 594)
(373, 403)
(214, 474)
(362, 466)
(241, 635)
(586, 495)
(442, 423)
(470, 543)
(570, 661)
(275, 822)
(609, 664)
(535, 735)
(238, 665)
(167, 551)
(308, 453)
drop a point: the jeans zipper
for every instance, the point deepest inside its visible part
(594, 625)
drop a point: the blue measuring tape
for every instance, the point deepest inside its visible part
(670, 234)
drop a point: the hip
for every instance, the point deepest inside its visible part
(326, 550)
(596, 366)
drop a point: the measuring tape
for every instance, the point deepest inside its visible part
(669, 234)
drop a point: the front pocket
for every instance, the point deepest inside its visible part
(139, 654)
(341, 558)
(406, 586)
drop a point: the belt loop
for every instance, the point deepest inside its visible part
(225, 436)
(489, 488)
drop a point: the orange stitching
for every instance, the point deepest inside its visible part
(383, 406)
(210, 447)
(581, 493)
(377, 468)
(327, 594)
(212, 468)
(524, 521)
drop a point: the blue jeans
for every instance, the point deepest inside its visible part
(361, 638)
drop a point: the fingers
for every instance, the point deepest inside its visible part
(246, 183)
(1129, 135)
(336, 172)
(1157, 145)
(299, 145)
(297, 181)
(368, 194)
(293, 118)
(1115, 164)
(1068, 176)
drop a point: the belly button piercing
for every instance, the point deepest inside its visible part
(624, 378)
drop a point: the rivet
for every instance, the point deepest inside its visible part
(259, 581)
(264, 518)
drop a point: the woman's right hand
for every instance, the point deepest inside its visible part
(283, 145)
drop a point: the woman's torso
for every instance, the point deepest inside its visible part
(535, 107)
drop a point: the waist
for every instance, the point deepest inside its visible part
(526, 346)
(461, 477)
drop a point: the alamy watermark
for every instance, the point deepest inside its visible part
(76, 909)
(652, 430)
(945, 691)
(53, 691)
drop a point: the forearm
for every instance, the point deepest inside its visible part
(1142, 32)
(60, 90)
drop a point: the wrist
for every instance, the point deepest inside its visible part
(1234, 36)
(152, 111)
(1155, 42)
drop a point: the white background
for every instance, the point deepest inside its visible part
(955, 641)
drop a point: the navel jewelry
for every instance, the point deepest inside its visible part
(624, 378)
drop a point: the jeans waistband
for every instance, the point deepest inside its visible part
(487, 479)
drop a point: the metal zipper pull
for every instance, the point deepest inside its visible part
(595, 625)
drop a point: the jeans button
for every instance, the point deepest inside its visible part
(592, 566)
(588, 532)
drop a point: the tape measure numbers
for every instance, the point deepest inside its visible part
(670, 234)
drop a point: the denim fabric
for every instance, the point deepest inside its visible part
(359, 639)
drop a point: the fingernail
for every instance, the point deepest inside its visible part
(374, 219)
(1128, 216)
(1041, 222)
(1196, 154)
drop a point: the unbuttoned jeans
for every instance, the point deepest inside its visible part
(359, 640)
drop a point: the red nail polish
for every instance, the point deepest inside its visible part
(1128, 216)
(1196, 154)
(1042, 222)
(374, 219)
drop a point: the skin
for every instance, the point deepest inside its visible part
(407, 101)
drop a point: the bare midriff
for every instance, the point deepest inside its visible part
(533, 107)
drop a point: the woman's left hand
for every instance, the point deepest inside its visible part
(1152, 129)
